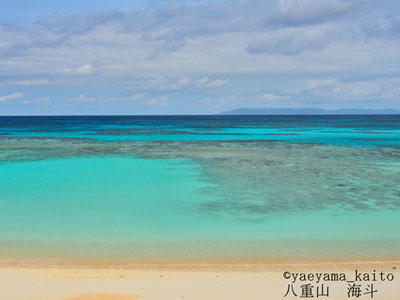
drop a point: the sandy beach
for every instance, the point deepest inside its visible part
(229, 279)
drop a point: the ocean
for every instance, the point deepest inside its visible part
(128, 187)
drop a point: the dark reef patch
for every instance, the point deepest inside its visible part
(251, 179)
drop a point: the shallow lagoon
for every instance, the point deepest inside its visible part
(200, 197)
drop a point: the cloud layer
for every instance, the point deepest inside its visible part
(11, 96)
(314, 51)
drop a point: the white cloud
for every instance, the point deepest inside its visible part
(40, 100)
(23, 82)
(85, 99)
(97, 99)
(206, 82)
(312, 84)
(354, 90)
(272, 97)
(161, 101)
(179, 84)
(152, 101)
(163, 84)
(136, 96)
(11, 96)
(202, 81)
(85, 69)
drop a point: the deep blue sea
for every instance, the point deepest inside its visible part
(199, 186)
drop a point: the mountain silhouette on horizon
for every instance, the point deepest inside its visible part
(309, 111)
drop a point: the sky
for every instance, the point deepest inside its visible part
(197, 57)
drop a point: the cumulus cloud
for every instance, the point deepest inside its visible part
(352, 90)
(11, 96)
(85, 99)
(179, 84)
(272, 97)
(136, 96)
(40, 100)
(97, 99)
(161, 101)
(163, 84)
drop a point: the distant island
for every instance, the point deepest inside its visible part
(309, 111)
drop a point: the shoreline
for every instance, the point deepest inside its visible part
(234, 264)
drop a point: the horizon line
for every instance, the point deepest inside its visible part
(207, 115)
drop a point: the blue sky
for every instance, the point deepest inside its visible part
(197, 57)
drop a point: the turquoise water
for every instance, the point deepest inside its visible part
(159, 187)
